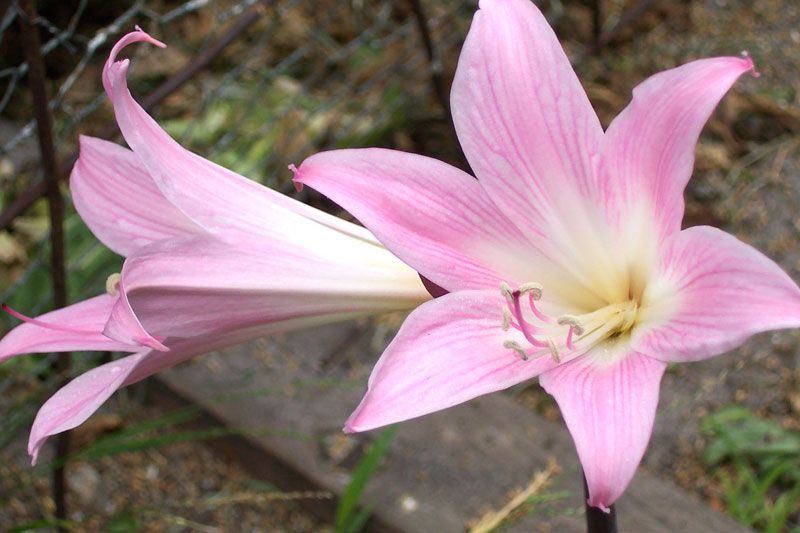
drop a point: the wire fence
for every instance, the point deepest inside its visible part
(297, 80)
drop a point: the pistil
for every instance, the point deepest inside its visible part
(42, 324)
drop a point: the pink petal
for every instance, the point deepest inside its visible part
(119, 201)
(711, 293)
(433, 216)
(648, 153)
(609, 408)
(523, 118)
(75, 327)
(74, 403)
(203, 285)
(71, 405)
(181, 350)
(448, 351)
(124, 326)
(212, 196)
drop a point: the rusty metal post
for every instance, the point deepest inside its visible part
(597, 25)
(172, 84)
(437, 80)
(629, 17)
(37, 83)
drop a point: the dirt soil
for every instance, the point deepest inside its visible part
(182, 486)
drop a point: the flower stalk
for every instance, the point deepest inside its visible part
(597, 520)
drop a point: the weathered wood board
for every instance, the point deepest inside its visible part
(292, 393)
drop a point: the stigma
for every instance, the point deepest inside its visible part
(562, 335)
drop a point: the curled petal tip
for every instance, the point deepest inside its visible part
(598, 505)
(351, 426)
(298, 185)
(112, 65)
(348, 426)
(751, 66)
(33, 451)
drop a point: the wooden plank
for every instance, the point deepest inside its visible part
(442, 471)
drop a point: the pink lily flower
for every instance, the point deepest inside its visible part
(212, 260)
(565, 259)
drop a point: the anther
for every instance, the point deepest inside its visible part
(506, 319)
(505, 290)
(553, 350)
(112, 284)
(573, 322)
(535, 290)
(514, 345)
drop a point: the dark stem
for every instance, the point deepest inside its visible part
(597, 25)
(172, 84)
(437, 80)
(37, 82)
(628, 18)
(597, 520)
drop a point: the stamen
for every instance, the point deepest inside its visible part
(535, 290)
(506, 319)
(46, 325)
(572, 321)
(112, 284)
(568, 342)
(524, 327)
(538, 314)
(505, 290)
(553, 350)
(514, 345)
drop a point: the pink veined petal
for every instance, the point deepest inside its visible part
(647, 155)
(124, 326)
(202, 285)
(183, 349)
(524, 121)
(117, 199)
(711, 293)
(448, 351)
(71, 405)
(431, 215)
(74, 403)
(75, 327)
(609, 409)
(212, 196)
